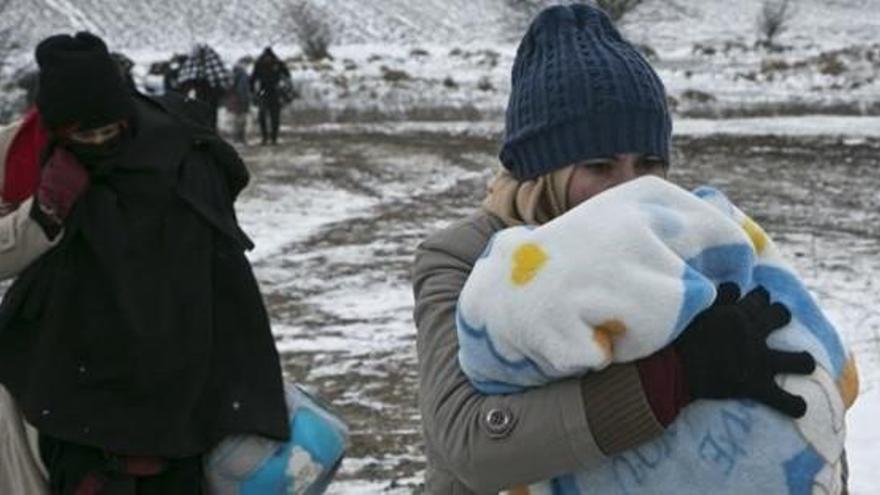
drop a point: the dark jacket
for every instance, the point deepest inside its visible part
(143, 331)
(267, 77)
(240, 92)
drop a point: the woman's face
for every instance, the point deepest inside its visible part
(97, 136)
(594, 176)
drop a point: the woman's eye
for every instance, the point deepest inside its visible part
(599, 167)
(652, 164)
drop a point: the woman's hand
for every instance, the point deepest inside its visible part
(725, 355)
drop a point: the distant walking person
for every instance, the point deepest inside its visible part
(204, 77)
(239, 101)
(171, 73)
(270, 81)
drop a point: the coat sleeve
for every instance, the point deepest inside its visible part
(21, 470)
(22, 239)
(491, 443)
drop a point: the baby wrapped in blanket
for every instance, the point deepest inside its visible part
(618, 278)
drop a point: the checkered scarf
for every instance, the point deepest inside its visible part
(204, 64)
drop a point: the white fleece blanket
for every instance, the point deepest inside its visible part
(618, 278)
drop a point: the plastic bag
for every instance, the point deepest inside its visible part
(304, 465)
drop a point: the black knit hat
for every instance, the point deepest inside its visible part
(580, 91)
(80, 84)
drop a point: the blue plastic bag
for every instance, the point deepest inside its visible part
(304, 465)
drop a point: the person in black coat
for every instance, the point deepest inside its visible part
(140, 340)
(267, 78)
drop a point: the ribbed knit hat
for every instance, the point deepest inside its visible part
(580, 91)
(80, 84)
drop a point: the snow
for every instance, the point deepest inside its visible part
(863, 439)
(853, 128)
(450, 60)
(305, 211)
(336, 213)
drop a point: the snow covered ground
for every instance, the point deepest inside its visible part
(336, 212)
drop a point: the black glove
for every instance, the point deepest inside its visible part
(724, 351)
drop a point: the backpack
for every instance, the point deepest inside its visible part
(287, 92)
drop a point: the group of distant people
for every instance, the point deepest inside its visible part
(202, 76)
(270, 85)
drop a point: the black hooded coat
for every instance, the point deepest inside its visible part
(143, 332)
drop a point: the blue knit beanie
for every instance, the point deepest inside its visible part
(580, 91)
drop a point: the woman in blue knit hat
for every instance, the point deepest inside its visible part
(586, 113)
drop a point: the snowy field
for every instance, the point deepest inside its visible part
(337, 211)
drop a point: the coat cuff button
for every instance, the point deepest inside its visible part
(498, 422)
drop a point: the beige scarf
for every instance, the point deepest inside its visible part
(531, 202)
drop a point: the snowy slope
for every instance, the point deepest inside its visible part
(173, 24)
(705, 52)
(822, 23)
(667, 25)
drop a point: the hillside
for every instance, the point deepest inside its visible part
(171, 24)
(450, 59)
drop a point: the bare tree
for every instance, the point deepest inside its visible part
(523, 11)
(202, 20)
(520, 14)
(773, 19)
(527, 8)
(616, 9)
(312, 29)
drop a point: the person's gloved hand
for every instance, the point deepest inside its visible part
(724, 351)
(63, 179)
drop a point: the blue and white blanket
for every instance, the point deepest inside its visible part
(618, 278)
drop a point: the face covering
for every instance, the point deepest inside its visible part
(99, 159)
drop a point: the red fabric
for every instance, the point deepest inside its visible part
(95, 483)
(92, 484)
(63, 179)
(142, 465)
(663, 380)
(22, 172)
